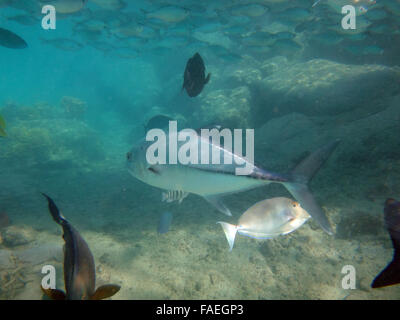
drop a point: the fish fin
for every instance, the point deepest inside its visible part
(55, 213)
(216, 201)
(53, 294)
(230, 231)
(105, 292)
(182, 195)
(207, 79)
(391, 274)
(3, 133)
(153, 169)
(388, 276)
(302, 174)
(174, 195)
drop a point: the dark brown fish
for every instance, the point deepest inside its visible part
(391, 274)
(194, 77)
(79, 268)
(10, 40)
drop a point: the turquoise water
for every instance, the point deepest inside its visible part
(76, 100)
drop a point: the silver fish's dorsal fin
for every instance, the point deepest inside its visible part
(174, 195)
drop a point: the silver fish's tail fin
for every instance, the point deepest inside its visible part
(302, 174)
(230, 232)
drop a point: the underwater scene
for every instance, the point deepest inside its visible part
(113, 186)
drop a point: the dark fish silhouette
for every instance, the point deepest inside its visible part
(157, 122)
(11, 40)
(391, 274)
(194, 77)
(79, 269)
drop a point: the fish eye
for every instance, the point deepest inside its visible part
(295, 204)
(129, 156)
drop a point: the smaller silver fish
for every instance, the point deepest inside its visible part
(174, 195)
(267, 219)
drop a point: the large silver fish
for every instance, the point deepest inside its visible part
(267, 219)
(212, 181)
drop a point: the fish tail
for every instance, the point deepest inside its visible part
(230, 231)
(301, 176)
(55, 213)
(388, 276)
(391, 274)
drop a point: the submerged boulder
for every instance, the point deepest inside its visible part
(320, 88)
(51, 144)
(365, 164)
(14, 236)
(74, 108)
(40, 136)
(227, 107)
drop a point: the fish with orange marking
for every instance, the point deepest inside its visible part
(267, 219)
(79, 267)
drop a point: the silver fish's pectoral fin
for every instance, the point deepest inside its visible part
(216, 201)
(183, 196)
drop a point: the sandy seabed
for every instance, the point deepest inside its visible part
(192, 261)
